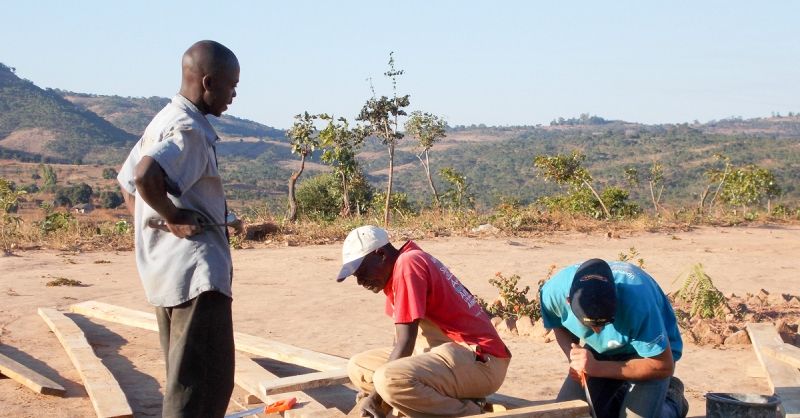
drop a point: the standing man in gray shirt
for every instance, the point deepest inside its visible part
(172, 187)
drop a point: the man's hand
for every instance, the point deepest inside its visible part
(581, 360)
(184, 224)
(371, 406)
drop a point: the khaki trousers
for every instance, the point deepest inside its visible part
(439, 379)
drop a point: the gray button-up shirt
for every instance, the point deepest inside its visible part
(174, 270)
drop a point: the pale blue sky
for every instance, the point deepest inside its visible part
(498, 63)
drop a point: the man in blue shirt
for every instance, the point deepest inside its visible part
(619, 332)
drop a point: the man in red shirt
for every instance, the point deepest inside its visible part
(447, 356)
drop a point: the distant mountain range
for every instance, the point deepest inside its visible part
(64, 126)
(61, 126)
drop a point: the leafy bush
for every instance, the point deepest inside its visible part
(399, 203)
(616, 199)
(512, 302)
(56, 221)
(319, 197)
(110, 200)
(109, 173)
(73, 195)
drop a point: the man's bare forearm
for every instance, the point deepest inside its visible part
(152, 187)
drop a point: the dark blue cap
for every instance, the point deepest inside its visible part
(593, 297)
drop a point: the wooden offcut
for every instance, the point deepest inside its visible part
(29, 378)
(305, 381)
(568, 409)
(104, 392)
(247, 343)
(783, 379)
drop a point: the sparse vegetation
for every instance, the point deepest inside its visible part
(704, 300)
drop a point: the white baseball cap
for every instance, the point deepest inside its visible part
(360, 242)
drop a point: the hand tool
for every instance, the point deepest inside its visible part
(273, 408)
(585, 384)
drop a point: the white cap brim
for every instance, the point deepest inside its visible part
(349, 268)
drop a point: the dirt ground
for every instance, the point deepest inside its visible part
(288, 294)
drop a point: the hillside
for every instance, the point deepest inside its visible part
(132, 114)
(40, 124)
(62, 126)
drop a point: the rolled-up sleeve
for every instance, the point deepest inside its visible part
(183, 155)
(125, 177)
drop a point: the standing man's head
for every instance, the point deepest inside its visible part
(210, 75)
(593, 296)
(368, 255)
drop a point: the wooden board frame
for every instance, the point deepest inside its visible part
(103, 389)
(262, 385)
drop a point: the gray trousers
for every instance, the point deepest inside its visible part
(197, 339)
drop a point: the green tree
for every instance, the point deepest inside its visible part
(428, 129)
(457, 194)
(340, 144)
(73, 195)
(568, 169)
(750, 185)
(655, 180)
(303, 140)
(49, 177)
(381, 118)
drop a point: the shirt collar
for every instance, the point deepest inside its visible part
(408, 246)
(186, 105)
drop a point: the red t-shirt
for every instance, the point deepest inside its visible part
(421, 287)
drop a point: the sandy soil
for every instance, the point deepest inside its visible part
(288, 294)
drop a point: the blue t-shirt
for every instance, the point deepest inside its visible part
(643, 323)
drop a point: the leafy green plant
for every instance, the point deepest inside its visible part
(428, 129)
(56, 221)
(512, 302)
(701, 296)
(458, 194)
(630, 256)
(9, 222)
(568, 169)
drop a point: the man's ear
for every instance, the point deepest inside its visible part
(206, 82)
(381, 253)
(568, 301)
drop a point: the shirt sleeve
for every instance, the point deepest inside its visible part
(125, 177)
(550, 317)
(411, 279)
(649, 337)
(183, 155)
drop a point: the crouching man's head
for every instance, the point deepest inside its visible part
(592, 296)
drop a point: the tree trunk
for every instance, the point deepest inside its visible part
(603, 205)
(389, 186)
(427, 165)
(292, 213)
(716, 192)
(653, 198)
(345, 212)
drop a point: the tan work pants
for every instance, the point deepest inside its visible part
(438, 381)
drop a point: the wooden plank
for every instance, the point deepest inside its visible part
(250, 376)
(786, 353)
(288, 353)
(247, 343)
(104, 391)
(783, 379)
(29, 378)
(305, 381)
(568, 409)
(116, 314)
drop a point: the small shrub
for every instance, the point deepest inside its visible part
(512, 302)
(632, 255)
(56, 221)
